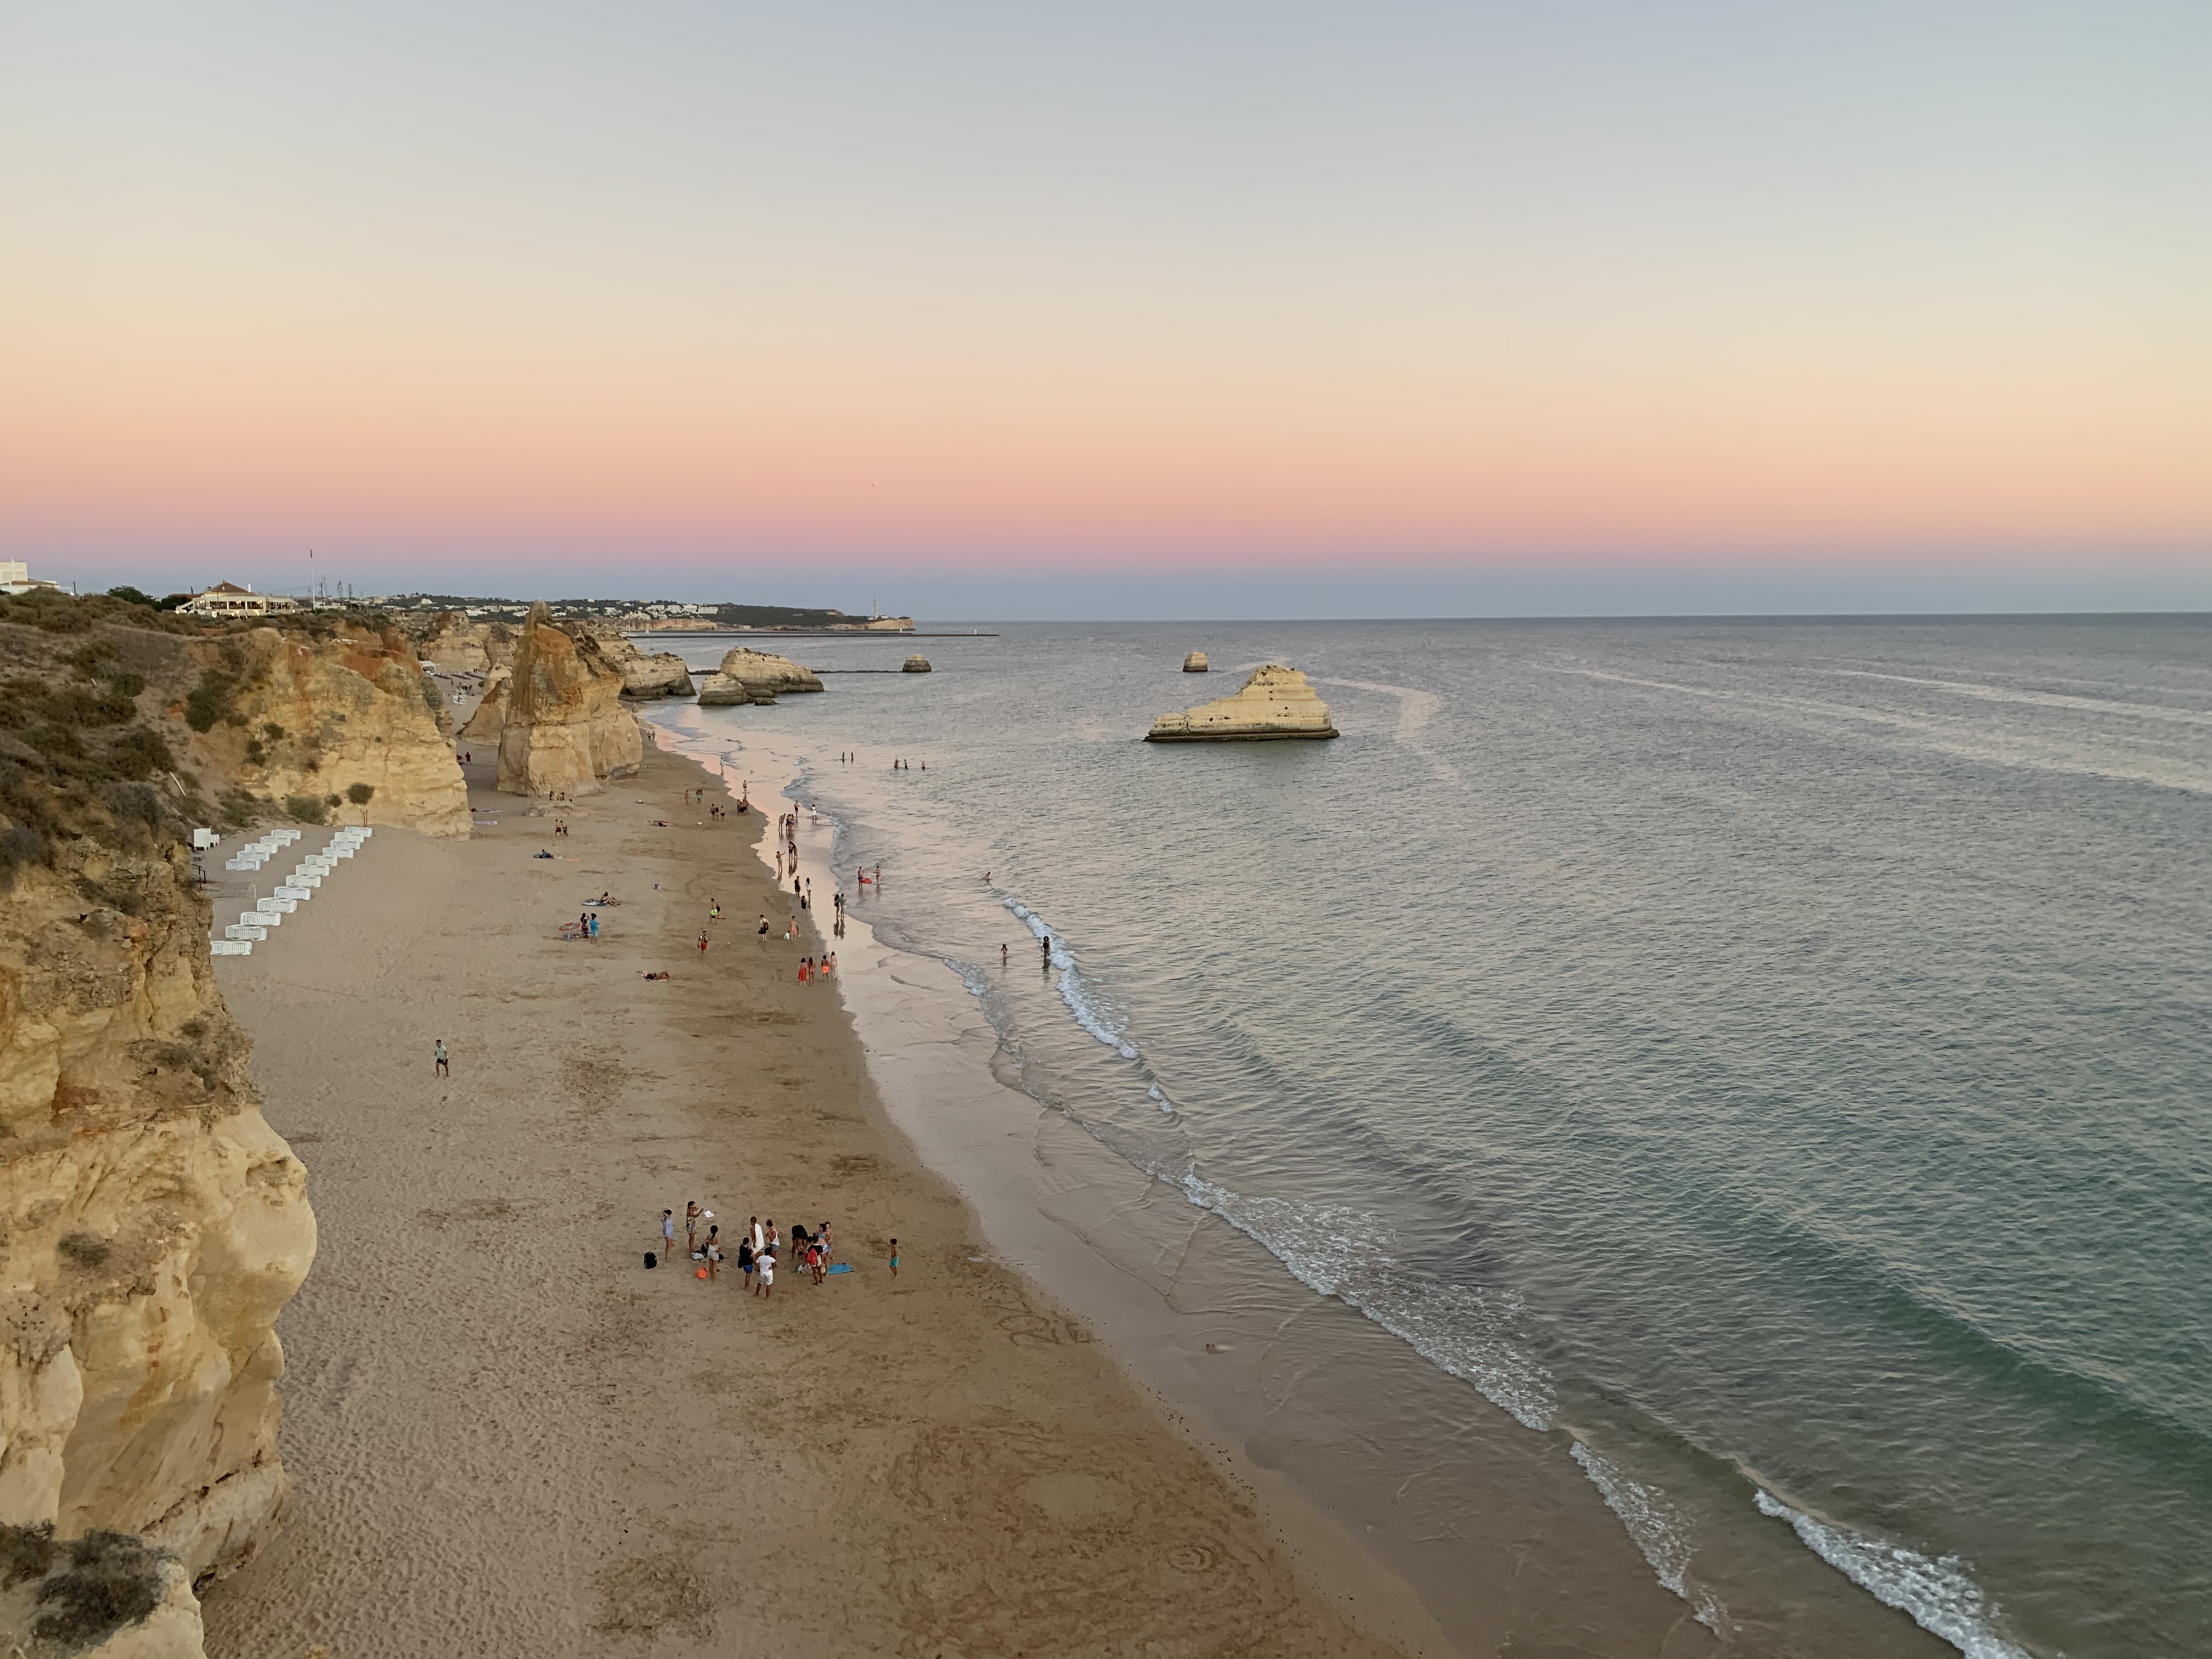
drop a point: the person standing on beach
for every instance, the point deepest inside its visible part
(668, 1234)
(715, 1251)
(766, 1265)
(440, 1053)
(1002, 956)
(1044, 950)
(702, 940)
(759, 1237)
(763, 927)
(745, 1260)
(894, 1258)
(691, 1225)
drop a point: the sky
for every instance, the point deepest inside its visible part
(1117, 310)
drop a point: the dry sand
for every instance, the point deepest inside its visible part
(508, 1437)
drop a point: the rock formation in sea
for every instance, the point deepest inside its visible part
(152, 1225)
(1275, 702)
(645, 673)
(749, 676)
(917, 664)
(1194, 663)
(287, 717)
(566, 729)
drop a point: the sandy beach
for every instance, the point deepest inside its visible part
(507, 1437)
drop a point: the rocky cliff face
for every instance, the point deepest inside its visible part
(293, 718)
(645, 674)
(1275, 702)
(565, 729)
(151, 1226)
(490, 718)
(749, 676)
(455, 643)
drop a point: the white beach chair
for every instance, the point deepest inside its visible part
(230, 947)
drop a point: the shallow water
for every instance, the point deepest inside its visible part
(1776, 1053)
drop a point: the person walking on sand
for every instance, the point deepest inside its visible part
(1002, 956)
(691, 1225)
(827, 1253)
(703, 940)
(766, 1265)
(668, 1235)
(714, 1252)
(894, 1258)
(438, 1052)
(714, 911)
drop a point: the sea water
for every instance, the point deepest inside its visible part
(1776, 1054)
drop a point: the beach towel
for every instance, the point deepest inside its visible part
(840, 1267)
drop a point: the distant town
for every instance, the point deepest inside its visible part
(230, 599)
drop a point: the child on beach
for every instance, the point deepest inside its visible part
(894, 1258)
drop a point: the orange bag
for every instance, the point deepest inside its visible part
(699, 1274)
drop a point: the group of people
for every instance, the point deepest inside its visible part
(809, 969)
(760, 1248)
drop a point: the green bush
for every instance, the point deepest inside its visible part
(131, 595)
(306, 808)
(361, 794)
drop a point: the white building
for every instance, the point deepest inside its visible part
(226, 599)
(15, 577)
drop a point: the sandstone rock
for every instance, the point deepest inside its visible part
(1194, 663)
(308, 717)
(916, 664)
(490, 718)
(154, 1226)
(749, 676)
(1275, 702)
(566, 729)
(646, 674)
(455, 643)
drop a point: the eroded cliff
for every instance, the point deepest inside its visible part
(1275, 702)
(565, 729)
(152, 1225)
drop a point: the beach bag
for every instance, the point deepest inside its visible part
(698, 1272)
(651, 1260)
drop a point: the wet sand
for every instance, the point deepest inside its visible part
(1358, 1445)
(507, 1437)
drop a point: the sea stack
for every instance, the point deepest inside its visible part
(1194, 663)
(565, 730)
(1275, 702)
(916, 664)
(749, 676)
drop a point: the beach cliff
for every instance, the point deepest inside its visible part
(288, 718)
(645, 673)
(1275, 702)
(565, 729)
(749, 676)
(152, 1225)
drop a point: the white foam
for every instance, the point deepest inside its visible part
(1473, 1335)
(1072, 990)
(1658, 1529)
(1937, 1595)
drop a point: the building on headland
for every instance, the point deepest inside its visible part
(228, 599)
(15, 577)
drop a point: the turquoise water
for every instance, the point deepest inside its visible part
(1779, 1053)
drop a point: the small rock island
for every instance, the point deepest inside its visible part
(749, 676)
(1275, 702)
(1194, 663)
(916, 664)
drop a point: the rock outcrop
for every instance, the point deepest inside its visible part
(1194, 663)
(646, 674)
(749, 676)
(917, 664)
(290, 717)
(456, 644)
(1275, 702)
(488, 719)
(566, 730)
(152, 1225)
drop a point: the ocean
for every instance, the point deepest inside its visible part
(1773, 1059)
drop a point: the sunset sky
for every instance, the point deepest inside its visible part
(1117, 310)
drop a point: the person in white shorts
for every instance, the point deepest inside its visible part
(764, 1266)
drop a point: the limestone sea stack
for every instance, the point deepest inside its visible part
(645, 673)
(916, 664)
(566, 729)
(749, 676)
(456, 644)
(1275, 702)
(1194, 663)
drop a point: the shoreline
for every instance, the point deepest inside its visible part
(1508, 1541)
(504, 1436)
